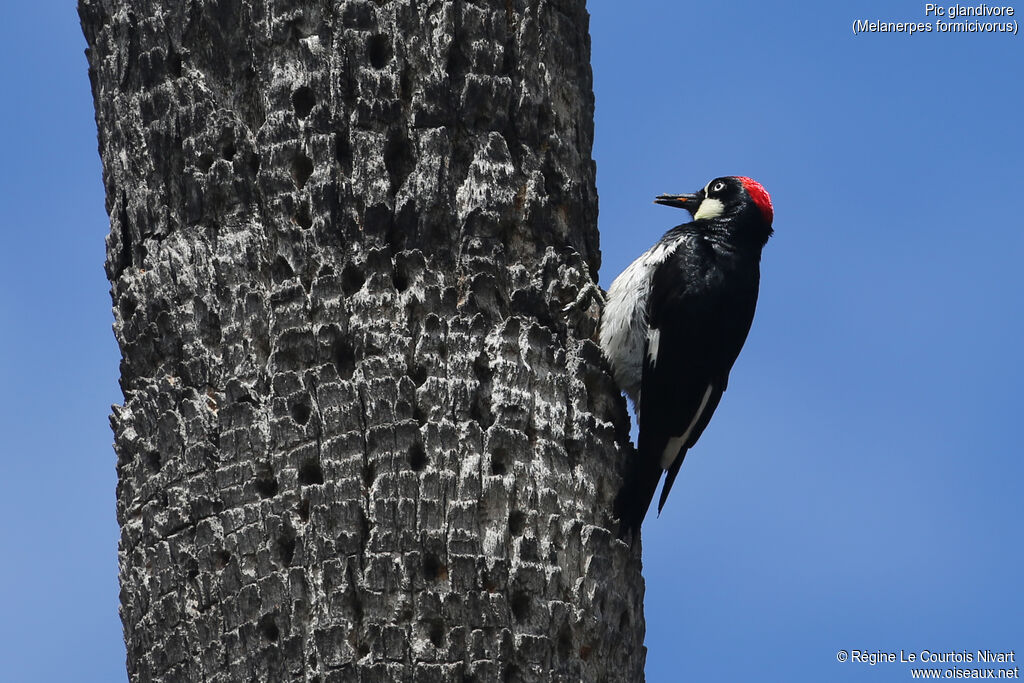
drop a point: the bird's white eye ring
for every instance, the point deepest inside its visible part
(719, 186)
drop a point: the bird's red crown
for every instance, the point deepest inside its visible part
(760, 196)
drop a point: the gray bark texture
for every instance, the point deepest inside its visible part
(360, 439)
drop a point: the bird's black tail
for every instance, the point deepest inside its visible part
(635, 497)
(670, 478)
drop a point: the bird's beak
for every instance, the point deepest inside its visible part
(690, 202)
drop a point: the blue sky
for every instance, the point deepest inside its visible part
(859, 487)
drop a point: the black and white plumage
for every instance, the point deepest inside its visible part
(674, 323)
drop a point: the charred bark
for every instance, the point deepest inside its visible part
(360, 438)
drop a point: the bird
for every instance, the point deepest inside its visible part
(674, 323)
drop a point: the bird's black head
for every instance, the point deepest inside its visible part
(736, 199)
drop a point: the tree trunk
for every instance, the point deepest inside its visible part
(360, 438)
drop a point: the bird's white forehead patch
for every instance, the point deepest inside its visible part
(709, 208)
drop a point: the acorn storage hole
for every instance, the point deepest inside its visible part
(344, 357)
(152, 459)
(268, 628)
(516, 522)
(400, 276)
(417, 457)
(379, 48)
(499, 461)
(369, 471)
(221, 558)
(302, 169)
(286, 548)
(300, 412)
(266, 482)
(520, 604)
(399, 158)
(564, 643)
(303, 218)
(205, 161)
(433, 568)
(352, 279)
(281, 269)
(435, 631)
(303, 101)
(311, 473)
(418, 374)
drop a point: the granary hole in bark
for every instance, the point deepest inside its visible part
(418, 374)
(379, 48)
(286, 548)
(352, 279)
(174, 65)
(435, 631)
(303, 218)
(205, 161)
(457, 64)
(127, 306)
(369, 473)
(433, 568)
(417, 457)
(520, 604)
(268, 628)
(302, 169)
(342, 150)
(301, 411)
(344, 357)
(499, 460)
(303, 101)
(480, 409)
(221, 558)
(152, 459)
(516, 522)
(482, 368)
(311, 473)
(400, 275)
(252, 161)
(303, 509)
(399, 159)
(281, 270)
(266, 482)
(564, 642)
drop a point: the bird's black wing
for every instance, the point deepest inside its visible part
(700, 327)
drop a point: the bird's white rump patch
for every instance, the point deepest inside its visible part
(668, 456)
(709, 208)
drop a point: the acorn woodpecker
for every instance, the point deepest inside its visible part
(674, 323)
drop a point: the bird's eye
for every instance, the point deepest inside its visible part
(719, 186)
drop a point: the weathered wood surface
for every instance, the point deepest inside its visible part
(360, 439)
